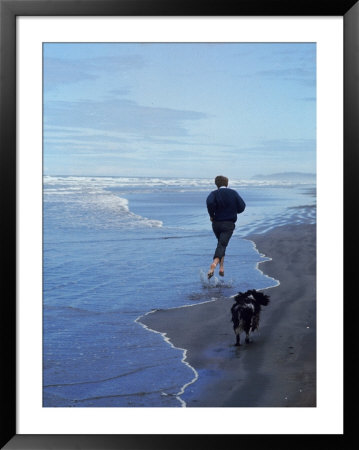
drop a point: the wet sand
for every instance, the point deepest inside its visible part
(278, 368)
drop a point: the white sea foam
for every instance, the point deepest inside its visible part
(266, 258)
(184, 358)
(155, 182)
(86, 201)
(306, 214)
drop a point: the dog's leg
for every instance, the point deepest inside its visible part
(237, 344)
(247, 341)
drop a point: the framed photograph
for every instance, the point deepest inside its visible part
(174, 183)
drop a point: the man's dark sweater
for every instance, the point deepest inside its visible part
(224, 204)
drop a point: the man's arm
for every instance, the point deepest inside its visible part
(241, 206)
(211, 205)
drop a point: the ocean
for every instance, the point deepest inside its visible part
(116, 248)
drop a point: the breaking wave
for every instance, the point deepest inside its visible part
(85, 201)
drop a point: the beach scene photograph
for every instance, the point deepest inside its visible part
(179, 187)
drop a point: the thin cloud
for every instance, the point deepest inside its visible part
(121, 115)
(59, 71)
(298, 74)
(306, 77)
(273, 147)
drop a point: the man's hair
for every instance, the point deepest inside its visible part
(221, 181)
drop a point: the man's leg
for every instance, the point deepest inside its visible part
(216, 232)
(212, 267)
(223, 232)
(221, 267)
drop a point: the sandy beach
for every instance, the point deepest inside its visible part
(278, 368)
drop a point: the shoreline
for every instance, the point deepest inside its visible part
(278, 369)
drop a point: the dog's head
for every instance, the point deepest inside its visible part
(259, 297)
(252, 296)
(241, 297)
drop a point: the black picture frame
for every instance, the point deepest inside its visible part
(9, 10)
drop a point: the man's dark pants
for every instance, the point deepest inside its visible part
(223, 231)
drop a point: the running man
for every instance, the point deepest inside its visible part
(223, 205)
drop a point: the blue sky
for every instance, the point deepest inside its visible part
(187, 110)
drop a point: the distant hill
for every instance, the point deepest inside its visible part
(293, 177)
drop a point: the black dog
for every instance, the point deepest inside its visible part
(246, 312)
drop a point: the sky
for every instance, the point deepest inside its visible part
(179, 109)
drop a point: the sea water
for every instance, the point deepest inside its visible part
(116, 248)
